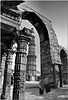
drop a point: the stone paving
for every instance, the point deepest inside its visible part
(33, 94)
(55, 94)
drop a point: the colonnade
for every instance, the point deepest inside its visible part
(19, 68)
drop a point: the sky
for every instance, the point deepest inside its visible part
(56, 11)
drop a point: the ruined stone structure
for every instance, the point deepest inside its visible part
(31, 61)
(54, 59)
(64, 60)
(50, 57)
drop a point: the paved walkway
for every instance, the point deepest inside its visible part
(55, 94)
(33, 94)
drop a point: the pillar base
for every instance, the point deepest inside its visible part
(3, 96)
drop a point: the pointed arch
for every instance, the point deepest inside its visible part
(48, 41)
(63, 56)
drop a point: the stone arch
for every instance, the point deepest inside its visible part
(63, 56)
(48, 42)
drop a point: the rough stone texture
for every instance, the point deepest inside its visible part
(9, 70)
(3, 64)
(48, 43)
(55, 56)
(51, 33)
(7, 79)
(64, 60)
(49, 47)
(20, 65)
(45, 59)
(2, 67)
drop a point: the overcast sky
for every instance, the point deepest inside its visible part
(56, 11)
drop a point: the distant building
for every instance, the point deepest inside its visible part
(31, 61)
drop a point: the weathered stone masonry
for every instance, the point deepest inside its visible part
(48, 45)
(64, 60)
(51, 61)
(20, 65)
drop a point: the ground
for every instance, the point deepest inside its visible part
(32, 93)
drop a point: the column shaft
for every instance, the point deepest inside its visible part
(20, 68)
(7, 72)
(60, 75)
(54, 76)
(5, 77)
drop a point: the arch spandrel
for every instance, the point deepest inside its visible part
(54, 46)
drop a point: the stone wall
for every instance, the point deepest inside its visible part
(45, 59)
(54, 49)
(64, 60)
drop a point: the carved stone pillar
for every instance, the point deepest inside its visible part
(2, 66)
(7, 72)
(20, 68)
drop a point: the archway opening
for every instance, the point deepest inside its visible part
(63, 57)
(45, 55)
(28, 25)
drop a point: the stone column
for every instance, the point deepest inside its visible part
(54, 76)
(2, 66)
(20, 68)
(7, 72)
(60, 75)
